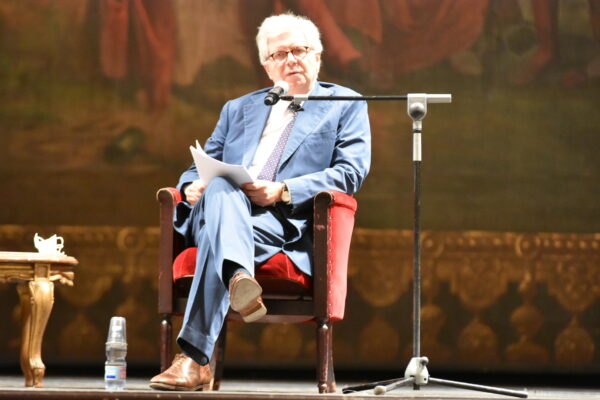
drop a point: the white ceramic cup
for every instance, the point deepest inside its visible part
(53, 245)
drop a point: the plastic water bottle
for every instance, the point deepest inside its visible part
(115, 368)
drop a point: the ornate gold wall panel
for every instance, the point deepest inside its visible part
(491, 300)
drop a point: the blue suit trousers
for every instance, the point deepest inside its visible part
(224, 225)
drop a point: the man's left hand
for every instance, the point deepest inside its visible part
(263, 193)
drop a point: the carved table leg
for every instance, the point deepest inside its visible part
(42, 299)
(41, 306)
(25, 300)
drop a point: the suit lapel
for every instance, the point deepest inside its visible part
(307, 121)
(255, 118)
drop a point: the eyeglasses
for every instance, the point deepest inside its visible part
(282, 55)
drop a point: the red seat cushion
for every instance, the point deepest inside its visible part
(278, 275)
(185, 263)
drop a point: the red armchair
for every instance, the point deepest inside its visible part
(289, 295)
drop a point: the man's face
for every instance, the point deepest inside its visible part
(300, 74)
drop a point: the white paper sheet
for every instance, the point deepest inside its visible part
(209, 168)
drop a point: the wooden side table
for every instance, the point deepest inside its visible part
(35, 275)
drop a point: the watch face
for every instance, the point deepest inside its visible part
(285, 195)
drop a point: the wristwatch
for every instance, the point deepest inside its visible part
(286, 196)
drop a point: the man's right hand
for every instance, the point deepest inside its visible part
(193, 191)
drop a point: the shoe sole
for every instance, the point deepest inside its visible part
(257, 312)
(165, 386)
(246, 297)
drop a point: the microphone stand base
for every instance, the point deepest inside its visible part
(416, 373)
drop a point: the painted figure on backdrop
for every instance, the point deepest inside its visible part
(402, 36)
(294, 151)
(545, 14)
(153, 24)
(198, 24)
(172, 41)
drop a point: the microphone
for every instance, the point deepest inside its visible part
(280, 89)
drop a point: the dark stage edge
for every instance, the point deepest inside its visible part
(11, 387)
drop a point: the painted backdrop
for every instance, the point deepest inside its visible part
(100, 100)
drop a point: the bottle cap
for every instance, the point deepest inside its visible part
(117, 332)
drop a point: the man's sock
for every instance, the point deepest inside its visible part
(192, 352)
(230, 269)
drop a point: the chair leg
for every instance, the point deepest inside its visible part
(325, 374)
(331, 385)
(166, 342)
(217, 360)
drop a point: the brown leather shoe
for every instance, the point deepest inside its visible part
(184, 374)
(245, 297)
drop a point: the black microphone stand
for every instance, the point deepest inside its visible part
(416, 372)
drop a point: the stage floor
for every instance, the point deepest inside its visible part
(11, 387)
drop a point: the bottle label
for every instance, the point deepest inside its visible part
(114, 372)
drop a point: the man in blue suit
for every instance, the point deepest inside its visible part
(294, 151)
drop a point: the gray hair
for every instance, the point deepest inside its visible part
(282, 23)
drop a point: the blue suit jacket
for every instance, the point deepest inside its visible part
(329, 148)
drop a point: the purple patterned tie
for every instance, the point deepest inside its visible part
(270, 168)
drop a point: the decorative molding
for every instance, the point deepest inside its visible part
(490, 299)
